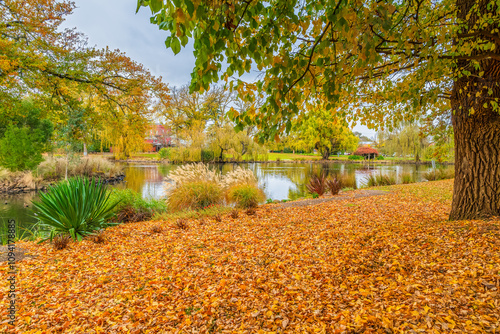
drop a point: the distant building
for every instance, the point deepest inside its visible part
(367, 152)
(158, 137)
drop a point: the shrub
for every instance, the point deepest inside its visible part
(164, 153)
(407, 178)
(194, 195)
(380, 180)
(61, 241)
(245, 195)
(355, 157)
(333, 185)
(132, 207)
(77, 207)
(20, 149)
(317, 184)
(380, 157)
(207, 155)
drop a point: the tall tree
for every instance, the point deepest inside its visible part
(383, 62)
(323, 130)
(72, 81)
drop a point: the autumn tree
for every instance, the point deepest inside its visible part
(323, 130)
(404, 140)
(73, 82)
(384, 62)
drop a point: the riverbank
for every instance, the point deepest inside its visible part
(318, 161)
(390, 263)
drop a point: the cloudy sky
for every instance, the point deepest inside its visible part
(114, 23)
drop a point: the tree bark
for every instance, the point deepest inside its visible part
(476, 125)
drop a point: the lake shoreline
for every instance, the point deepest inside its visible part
(367, 162)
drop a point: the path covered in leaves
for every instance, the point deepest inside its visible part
(381, 264)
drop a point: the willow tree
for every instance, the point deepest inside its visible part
(382, 62)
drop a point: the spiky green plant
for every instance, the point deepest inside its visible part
(77, 207)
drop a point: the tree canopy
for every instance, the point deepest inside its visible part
(381, 62)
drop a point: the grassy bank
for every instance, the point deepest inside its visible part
(390, 263)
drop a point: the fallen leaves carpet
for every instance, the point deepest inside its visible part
(381, 264)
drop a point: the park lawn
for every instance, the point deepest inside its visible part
(384, 264)
(292, 156)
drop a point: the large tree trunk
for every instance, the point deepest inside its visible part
(476, 192)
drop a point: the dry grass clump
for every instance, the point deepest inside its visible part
(218, 217)
(24, 179)
(52, 169)
(156, 229)
(92, 166)
(61, 241)
(181, 224)
(251, 212)
(407, 178)
(234, 213)
(347, 180)
(439, 174)
(55, 168)
(98, 237)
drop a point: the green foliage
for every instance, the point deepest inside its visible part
(380, 180)
(406, 140)
(132, 207)
(164, 153)
(355, 157)
(322, 130)
(194, 195)
(20, 149)
(207, 155)
(380, 157)
(77, 207)
(314, 195)
(245, 195)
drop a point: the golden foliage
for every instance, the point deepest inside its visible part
(390, 263)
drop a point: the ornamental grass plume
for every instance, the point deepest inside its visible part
(194, 173)
(239, 176)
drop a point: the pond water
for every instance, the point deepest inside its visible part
(279, 181)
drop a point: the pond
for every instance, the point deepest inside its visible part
(279, 181)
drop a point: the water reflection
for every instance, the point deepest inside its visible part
(279, 180)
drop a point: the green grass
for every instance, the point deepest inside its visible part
(292, 157)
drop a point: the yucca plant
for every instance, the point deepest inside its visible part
(317, 184)
(77, 207)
